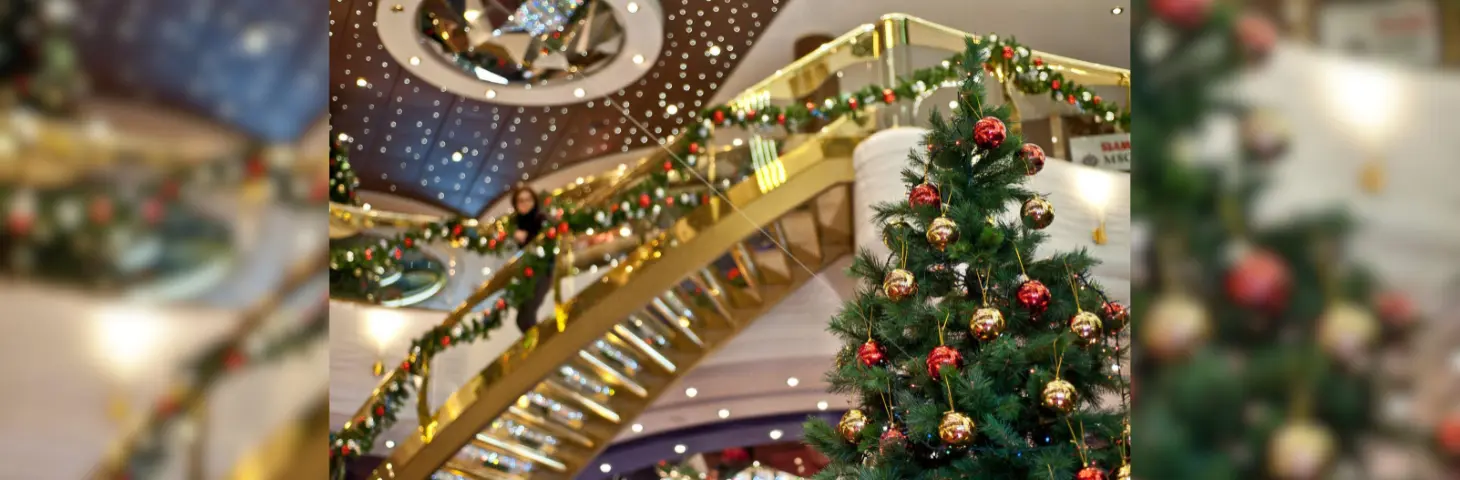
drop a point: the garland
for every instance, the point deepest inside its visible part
(358, 436)
(144, 454)
(647, 198)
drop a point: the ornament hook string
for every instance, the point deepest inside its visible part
(1075, 289)
(1020, 258)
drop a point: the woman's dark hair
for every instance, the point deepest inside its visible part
(530, 222)
(518, 190)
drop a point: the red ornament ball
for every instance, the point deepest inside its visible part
(870, 354)
(1090, 472)
(1448, 435)
(893, 438)
(1395, 309)
(888, 96)
(1260, 280)
(780, 119)
(943, 356)
(694, 148)
(1033, 296)
(643, 200)
(989, 133)
(719, 116)
(1008, 52)
(1033, 157)
(1182, 13)
(1115, 316)
(924, 195)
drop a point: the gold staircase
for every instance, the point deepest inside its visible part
(553, 401)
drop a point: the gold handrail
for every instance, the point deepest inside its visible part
(293, 450)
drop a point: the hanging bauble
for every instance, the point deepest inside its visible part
(870, 353)
(1059, 395)
(851, 424)
(1037, 213)
(1346, 331)
(987, 323)
(943, 356)
(1090, 472)
(1260, 281)
(1176, 325)
(1123, 473)
(989, 133)
(1033, 158)
(1086, 326)
(941, 232)
(892, 439)
(899, 284)
(1300, 450)
(1447, 435)
(924, 195)
(719, 116)
(1257, 35)
(1033, 296)
(1115, 317)
(892, 233)
(956, 428)
(1182, 13)
(1395, 309)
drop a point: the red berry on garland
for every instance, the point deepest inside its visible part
(445, 341)
(501, 304)
(345, 450)
(1033, 296)
(1260, 280)
(1257, 35)
(1038, 61)
(233, 360)
(870, 353)
(1033, 158)
(719, 116)
(1054, 84)
(552, 233)
(405, 365)
(527, 271)
(852, 103)
(989, 133)
(380, 410)
(101, 210)
(456, 231)
(1008, 52)
(1090, 472)
(643, 200)
(1095, 100)
(563, 227)
(152, 211)
(369, 254)
(1182, 13)
(492, 244)
(694, 148)
(781, 119)
(409, 242)
(888, 96)
(668, 165)
(1115, 317)
(1395, 309)
(1070, 99)
(943, 356)
(924, 195)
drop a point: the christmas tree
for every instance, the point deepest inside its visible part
(1258, 344)
(969, 355)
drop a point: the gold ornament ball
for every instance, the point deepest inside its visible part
(1177, 324)
(1038, 213)
(956, 428)
(851, 425)
(899, 284)
(987, 323)
(1086, 326)
(1346, 331)
(1123, 473)
(942, 232)
(1300, 450)
(1059, 395)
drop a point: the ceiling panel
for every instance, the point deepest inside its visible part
(510, 141)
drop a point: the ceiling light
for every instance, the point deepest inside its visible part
(953, 104)
(578, 92)
(415, 60)
(491, 94)
(724, 413)
(680, 448)
(821, 405)
(690, 392)
(605, 468)
(344, 138)
(633, 7)
(638, 59)
(714, 51)
(637, 427)
(456, 156)
(775, 434)
(738, 142)
(390, 444)
(1116, 11)
(672, 109)
(791, 382)
(471, 15)
(360, 82)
